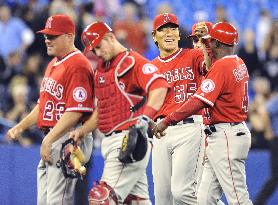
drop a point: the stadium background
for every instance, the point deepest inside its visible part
(23, 59)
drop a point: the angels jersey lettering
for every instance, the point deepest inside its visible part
(66, 86)
(225, 90)
(184, 72)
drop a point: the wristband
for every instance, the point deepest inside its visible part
(149, 111)
(167, 120)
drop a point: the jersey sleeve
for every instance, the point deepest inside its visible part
(79, 90)
(211, 86)
(146, 74)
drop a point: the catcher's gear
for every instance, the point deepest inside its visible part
(134, 146)
(102, 194)
(163, 19)
(93, 34)
(224, 32)
(71, 160)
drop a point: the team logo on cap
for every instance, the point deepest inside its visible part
(207, 86)
(166, 18)
(80, 94)
(49, 22)
(149, 68)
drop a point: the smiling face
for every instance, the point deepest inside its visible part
(58, 45)
(167, 38)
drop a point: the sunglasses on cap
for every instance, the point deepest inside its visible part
(50, 37)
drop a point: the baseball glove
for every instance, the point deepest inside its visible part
(71, 160)
(134, 146)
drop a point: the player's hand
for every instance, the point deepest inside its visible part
(143, 123)
(158, 130)
(14, 133)
(46, 151)
(77, 135)
(201, 29)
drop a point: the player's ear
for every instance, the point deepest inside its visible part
(153, 35)
(154, 38)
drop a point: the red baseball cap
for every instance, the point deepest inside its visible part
(58, 25)
(207, 24)
(163, 19)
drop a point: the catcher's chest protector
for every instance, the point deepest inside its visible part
(113, 102)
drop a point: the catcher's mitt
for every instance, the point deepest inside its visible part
(71, 159)
(134, 146)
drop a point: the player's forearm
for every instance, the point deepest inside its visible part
(156, 99)
(189, 108)
(29, 120)
(91, 124)
(66, 122)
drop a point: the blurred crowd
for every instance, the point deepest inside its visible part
(23, 55)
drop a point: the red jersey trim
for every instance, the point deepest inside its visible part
(230, 56)
(169, 59)
(67, 57)
(80, 109)
(203, 99)
(155, 76)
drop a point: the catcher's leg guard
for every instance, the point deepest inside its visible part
(136, 200)
(102, 194)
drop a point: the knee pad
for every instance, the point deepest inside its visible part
(136, 200)
(102, 194)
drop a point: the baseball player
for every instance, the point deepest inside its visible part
(176, 159)
(122, 80)
(65, 98)
(224, 94)
(199, 30)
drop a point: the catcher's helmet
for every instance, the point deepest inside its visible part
(225, 33)
(93, 34)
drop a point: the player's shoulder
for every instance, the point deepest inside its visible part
(78, 57)
(143, 64)
(138, 57)
(140, 60)
(79, 62)
(155, 60)
(229, 61)
(192, 52)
